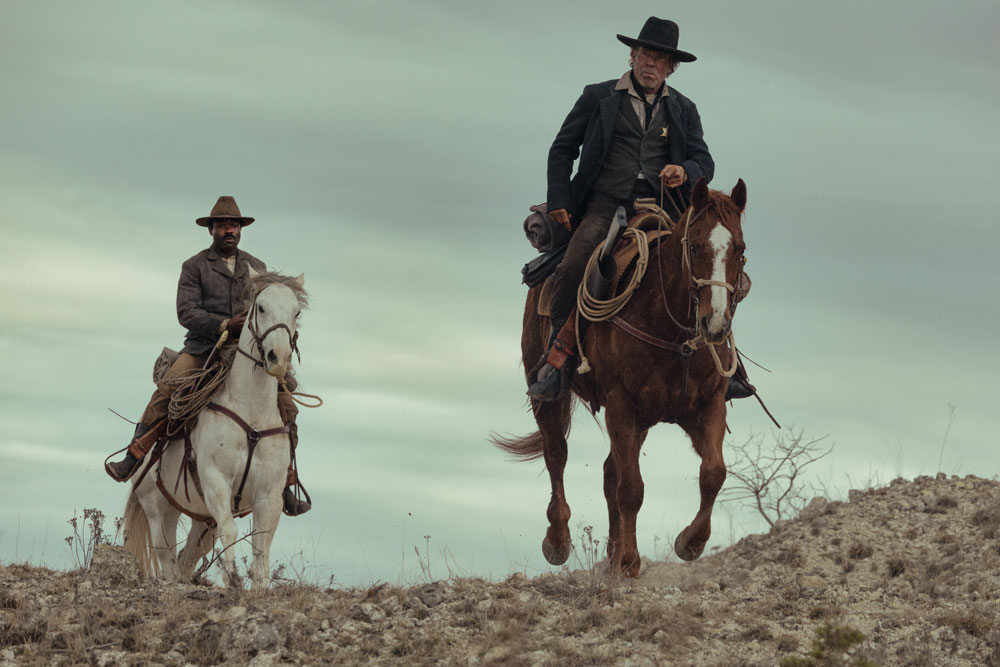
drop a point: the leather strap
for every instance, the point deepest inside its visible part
(253, 437)
(679, 348)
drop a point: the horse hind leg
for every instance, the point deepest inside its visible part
(199, 543)
(706, 436)
(553, 419)
(163, 535)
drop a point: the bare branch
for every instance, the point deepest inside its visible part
(769, 478)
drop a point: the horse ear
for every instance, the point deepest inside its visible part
(699, 196)
(301, 280)
(253, 272)
(739, 195)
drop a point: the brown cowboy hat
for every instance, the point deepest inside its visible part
(659, 35)
(225, 209)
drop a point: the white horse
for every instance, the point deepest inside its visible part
(228, 475)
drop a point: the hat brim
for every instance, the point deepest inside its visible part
(681, 56)
(244, 221)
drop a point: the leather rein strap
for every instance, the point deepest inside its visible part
(253, 437)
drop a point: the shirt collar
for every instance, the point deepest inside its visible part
(625, 83)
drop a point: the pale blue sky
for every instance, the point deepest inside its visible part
(390, 150)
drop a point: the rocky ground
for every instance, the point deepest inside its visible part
(907, 574)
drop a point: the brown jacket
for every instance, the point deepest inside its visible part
(208, 294)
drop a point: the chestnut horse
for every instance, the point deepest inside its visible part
(685, 301)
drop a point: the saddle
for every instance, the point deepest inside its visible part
(625, 255)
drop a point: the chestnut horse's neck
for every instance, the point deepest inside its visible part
(666, 299)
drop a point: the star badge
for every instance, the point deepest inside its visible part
(663, 132)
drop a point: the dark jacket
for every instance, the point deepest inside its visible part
(590, 125)
(208, 294)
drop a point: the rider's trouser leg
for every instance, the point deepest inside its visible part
(156, 411)
(593, 229)
(160, 400)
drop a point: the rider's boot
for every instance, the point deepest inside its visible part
(121, 470)
(739, 384)
(548, 382)
(293, 505)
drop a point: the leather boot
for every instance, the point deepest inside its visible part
(548, 381)
(739, 388)
(294, 506)
(120, 471)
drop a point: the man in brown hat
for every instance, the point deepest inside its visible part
(210, 300)
(634, 135)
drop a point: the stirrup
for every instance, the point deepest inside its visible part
(293, 506)
(549, 388)
(121, 471)
(739, 388)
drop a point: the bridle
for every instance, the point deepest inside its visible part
(694, 285)
(253, 325)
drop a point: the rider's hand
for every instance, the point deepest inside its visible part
(562, 216)
(235, 326)
(673, 175)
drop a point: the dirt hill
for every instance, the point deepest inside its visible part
(907, 574)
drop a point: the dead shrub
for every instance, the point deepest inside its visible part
(896, 566)
(859, 551)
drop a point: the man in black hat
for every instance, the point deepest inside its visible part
(634, 136)
(210, 300)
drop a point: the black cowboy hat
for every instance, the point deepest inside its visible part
(225, 209)
(659, 35)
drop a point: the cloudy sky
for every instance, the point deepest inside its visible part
(390, 150)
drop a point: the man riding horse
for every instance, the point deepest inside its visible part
(211, 299)
(631, 134)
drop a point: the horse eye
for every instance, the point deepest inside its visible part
(260, 309)
(694, 248)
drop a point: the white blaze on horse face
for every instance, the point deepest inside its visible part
(277, 344)
(721, 239)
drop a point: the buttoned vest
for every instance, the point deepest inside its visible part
(633, 150)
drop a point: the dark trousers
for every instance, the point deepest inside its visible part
(591, 232)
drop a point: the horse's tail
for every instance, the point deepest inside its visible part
(531, 447)
(138, 540)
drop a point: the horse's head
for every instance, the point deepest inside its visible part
(272, 321)
(713, 252)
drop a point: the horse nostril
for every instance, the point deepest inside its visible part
(272, 357)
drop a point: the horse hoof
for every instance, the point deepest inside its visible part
(685, 551)
(630, 568)
(553, 554)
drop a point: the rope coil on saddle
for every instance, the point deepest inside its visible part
(599, 310)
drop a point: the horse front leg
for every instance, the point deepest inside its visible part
(553, 421)
(626, 440)
(266, 514)
(219, 506)
(707, 435)
(611, 496)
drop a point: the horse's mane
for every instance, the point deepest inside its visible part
(267, 278)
